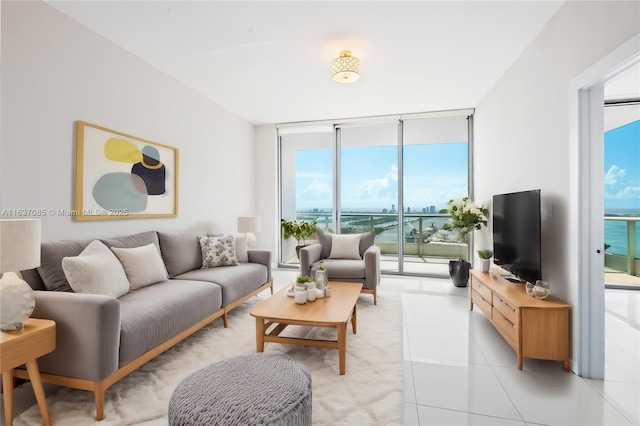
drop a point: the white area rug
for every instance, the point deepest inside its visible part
(369, 393)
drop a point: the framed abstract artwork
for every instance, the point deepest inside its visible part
(119, 176)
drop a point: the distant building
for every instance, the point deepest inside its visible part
(432, 209)
(384, 211)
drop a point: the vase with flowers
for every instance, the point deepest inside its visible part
(466, 217)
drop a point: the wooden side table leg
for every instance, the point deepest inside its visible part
(354, 320)
(7, 384)
(36, 383)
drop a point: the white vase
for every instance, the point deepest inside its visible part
(16, 302)
(485, 264)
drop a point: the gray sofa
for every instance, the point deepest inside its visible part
(100, 339)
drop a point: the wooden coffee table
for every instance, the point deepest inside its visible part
(277, 312)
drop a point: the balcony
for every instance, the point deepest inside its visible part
(427, 244)
(622, 266)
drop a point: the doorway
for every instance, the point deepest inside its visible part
(588, 199)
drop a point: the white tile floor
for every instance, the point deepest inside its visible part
(459, 371)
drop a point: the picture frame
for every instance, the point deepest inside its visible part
(119, 176)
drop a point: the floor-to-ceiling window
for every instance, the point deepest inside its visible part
(393, 175)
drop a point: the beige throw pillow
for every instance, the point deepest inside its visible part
(96, 270)
(345, 246)
(143, 265)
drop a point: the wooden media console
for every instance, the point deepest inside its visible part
(534, 328)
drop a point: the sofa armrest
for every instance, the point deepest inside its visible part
(372, 267)
(87, 333)
(308, 256)
(263, 257)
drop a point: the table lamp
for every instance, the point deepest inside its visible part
(248, 225)
(19, 250)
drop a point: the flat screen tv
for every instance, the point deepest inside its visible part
(517, 234)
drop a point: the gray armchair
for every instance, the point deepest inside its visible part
(365, 269)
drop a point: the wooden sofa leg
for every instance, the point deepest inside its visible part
(224, 319)
(99, 396)
(375, 296)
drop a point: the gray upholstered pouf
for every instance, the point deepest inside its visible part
(257, 389)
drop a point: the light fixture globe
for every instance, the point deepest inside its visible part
(346, 68)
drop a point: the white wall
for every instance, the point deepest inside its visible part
(522, 126)
(55, 71)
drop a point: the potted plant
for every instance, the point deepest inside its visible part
(298, 230)
(466, 217)
(485, 259)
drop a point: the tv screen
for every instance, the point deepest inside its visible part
(517, 234)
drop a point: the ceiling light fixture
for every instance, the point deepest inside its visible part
(346, 68)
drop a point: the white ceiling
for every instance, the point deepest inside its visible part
(269, 62)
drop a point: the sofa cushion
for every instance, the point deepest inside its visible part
(143, 265)
(154, 314)
(241, 248)
(96, 270)
(338, 269)
(236, 281)
(51, 255)
(180, 251)
(345, 246)
(135, 240)
(218, 251)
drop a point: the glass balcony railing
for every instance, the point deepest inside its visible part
(622, 248)
(423, 235)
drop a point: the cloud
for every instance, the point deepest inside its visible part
(626, 193)
(613, 175)
(382, 189)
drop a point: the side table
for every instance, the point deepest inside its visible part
(37, 338)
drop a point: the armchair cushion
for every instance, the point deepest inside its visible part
(345, 246)
(340, 269)
(324, 238)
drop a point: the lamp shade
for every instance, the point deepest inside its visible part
(249, 224)
(346, 68)
(19, 244)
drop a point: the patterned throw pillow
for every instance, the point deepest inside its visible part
(218, 251)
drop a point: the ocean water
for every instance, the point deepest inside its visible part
(615, 235)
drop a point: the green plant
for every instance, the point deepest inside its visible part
(298, 230)
(466, 216)
(485, 254)
(301, 279)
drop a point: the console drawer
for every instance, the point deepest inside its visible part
(505, 308)
(506, 326)
(481, 302)
(482, 290)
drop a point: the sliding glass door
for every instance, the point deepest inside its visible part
(368, 185)
(393, 175)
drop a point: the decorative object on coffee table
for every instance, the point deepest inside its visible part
(466, 216)
(19, 250)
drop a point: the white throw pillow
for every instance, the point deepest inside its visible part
(143, 265)
(96, 270)
(345, 246)
(218, 251)
(241, 248)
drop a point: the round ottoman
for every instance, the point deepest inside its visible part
(256, 389)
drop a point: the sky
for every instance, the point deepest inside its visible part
(622, 167)
(434, 173)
